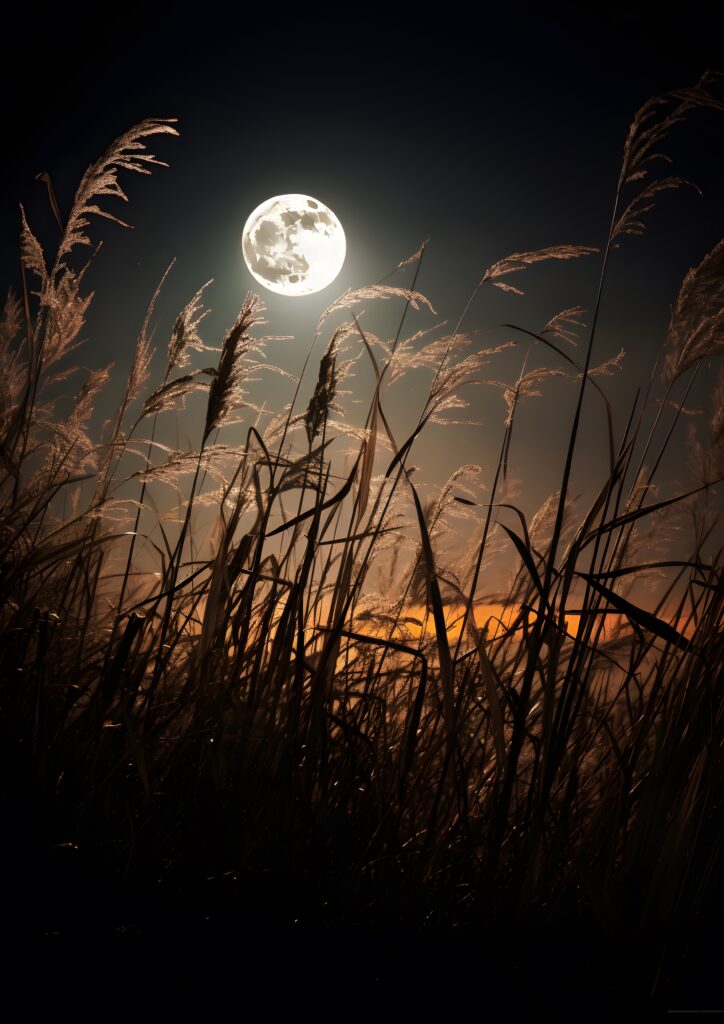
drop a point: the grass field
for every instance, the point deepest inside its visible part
(270, 703)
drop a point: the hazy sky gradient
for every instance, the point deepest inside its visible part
(486, 140)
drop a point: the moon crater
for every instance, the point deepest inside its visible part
(293, 244)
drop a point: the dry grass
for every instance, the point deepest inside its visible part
(244, 726)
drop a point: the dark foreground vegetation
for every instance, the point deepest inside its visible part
(267, 706)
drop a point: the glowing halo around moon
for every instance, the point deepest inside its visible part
(293, 245)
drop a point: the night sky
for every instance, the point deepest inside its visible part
(489, 134)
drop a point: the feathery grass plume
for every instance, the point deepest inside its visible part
(403, 356)
(180, 464)
(11, 320)
(280, 425)
(448, 503)
(31, 253)
(227, 496)
(630, 222)
(452, 377)
(88, 392)
(322, 401)
(381, 614)
(361, 434)
(226, 392)
(683, 410)
(430, 355)
(437, 513)
(344, 367)
(696, 327)
(607, 368)
(650, 127)
(67, 308)
(541, 525)
(563, 324)
(62, 308)
(520, 260)
(647, 132)
(185, 334)
(71, 450)
(141, 365)
(528, 385)
(150, 442)
(415, 258)
(655, 535)
(143, 353)
(138, 375)
(353, 296)
(172, 395)
(127, 153)
(297, 473)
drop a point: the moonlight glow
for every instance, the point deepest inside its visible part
(293, 245)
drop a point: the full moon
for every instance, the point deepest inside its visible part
(293, 245)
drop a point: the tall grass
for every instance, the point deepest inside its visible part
(244, 725)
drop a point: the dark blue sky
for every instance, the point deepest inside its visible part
(489, 129)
